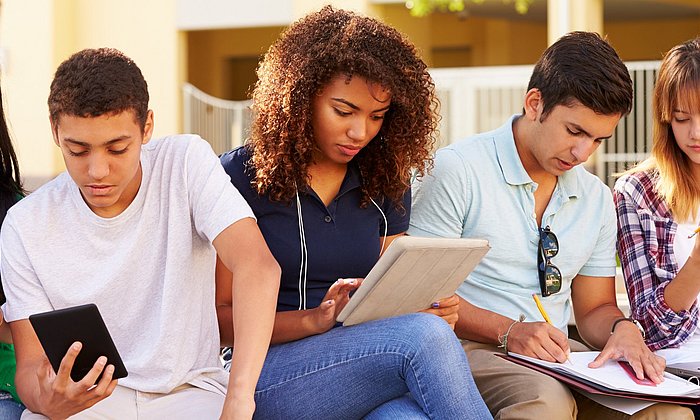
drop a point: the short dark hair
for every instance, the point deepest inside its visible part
(583, 66)
(94, 82)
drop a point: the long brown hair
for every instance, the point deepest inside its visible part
(306, 57)
(677, 86)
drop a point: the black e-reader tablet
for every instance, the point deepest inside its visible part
(58, 330)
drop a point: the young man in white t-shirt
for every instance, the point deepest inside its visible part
(134, 226)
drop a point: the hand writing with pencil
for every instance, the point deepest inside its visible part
(539, 339)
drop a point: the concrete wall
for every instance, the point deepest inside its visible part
(37, 35)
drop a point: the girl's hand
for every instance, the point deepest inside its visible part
(323, 317)
(447, 309)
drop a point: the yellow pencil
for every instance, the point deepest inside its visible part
(546, 317)
(695, 232)
(541, 309)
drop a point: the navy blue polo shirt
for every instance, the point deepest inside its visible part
(342, 240)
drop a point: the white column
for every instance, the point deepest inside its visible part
(564, 16)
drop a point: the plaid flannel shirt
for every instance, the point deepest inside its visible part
(645, 245)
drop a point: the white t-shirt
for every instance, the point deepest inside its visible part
(682, 246)
(150, 270)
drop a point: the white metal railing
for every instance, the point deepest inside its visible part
(224, 124)
(473, 100)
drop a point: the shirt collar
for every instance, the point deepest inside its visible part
(512, 167)
(352, 180)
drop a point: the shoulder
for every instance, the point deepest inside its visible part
(238, 167)
(639, 187)
(180, 144)
(48, 200)
(236, 159)
(589, 183)
(472, 148)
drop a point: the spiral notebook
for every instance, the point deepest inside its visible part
(412, 273)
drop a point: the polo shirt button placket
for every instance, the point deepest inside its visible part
(328, 219)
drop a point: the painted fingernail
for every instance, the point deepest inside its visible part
(329, 302)
(435, 305)
(351, 281)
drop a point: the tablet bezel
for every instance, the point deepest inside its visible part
(57, 330)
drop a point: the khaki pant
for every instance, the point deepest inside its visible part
(184, 402)
(512, 391)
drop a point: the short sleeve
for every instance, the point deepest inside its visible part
(440, 199)
(216, 203)
(23, 289)
(602, 261)
(397, 218)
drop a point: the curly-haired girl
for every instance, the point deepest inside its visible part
(344, 109)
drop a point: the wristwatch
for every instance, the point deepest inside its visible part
(632, 320)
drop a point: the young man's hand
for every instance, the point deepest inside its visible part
(627, 342)
(61, 397)
(540, 340)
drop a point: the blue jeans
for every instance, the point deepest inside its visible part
(410, 366)
(9, 408)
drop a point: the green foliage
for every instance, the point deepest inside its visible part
(421, 8)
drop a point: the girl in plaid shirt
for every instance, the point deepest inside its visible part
(658, 208)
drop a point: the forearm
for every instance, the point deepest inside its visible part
(27, 386)
(596, 325)
(224, 314)
(479, 324)
(255, 289)
(293, 325)
(682, 292)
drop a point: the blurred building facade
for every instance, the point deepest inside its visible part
(215, 45)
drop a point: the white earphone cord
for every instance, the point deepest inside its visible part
(303, 268)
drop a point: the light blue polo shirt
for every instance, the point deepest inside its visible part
(480, 189)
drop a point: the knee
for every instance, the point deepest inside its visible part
(664, 411)
(541, 398)
(426, 327)
(429, 334)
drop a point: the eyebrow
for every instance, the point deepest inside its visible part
(88, 145)
(357, 108)
(581, 129)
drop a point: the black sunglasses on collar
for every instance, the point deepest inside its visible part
(550, 276)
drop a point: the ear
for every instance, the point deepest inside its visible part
(54, 131)
(148, 127)
(533, 104)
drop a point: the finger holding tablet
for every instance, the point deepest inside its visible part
(63, 397)
(77, 335)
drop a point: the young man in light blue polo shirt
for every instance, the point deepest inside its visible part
(552, 230)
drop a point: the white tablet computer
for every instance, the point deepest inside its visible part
(413, 273)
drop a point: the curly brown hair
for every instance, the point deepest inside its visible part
(306, 57)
